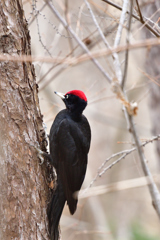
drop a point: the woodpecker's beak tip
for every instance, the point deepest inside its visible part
(61, 95)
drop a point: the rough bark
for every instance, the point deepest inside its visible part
(23, 187)
(153, 68)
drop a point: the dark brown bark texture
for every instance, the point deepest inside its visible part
(23, 187)
(153, 68)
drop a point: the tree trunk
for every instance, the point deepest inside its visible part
(153, 68)
(23, 187)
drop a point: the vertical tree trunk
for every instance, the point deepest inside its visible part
(153, 68)
(23, 188)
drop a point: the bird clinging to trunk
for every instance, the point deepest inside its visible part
(70, 137)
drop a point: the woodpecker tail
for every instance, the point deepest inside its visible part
(54, 211)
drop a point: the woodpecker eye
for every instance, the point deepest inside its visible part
(67, 96)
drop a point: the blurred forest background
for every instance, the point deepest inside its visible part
(118, 204)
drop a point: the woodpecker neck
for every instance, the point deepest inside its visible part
(75, 117)
(76, 113)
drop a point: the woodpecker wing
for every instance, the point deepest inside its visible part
(72, 160)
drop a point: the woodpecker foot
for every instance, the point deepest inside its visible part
(41, 154)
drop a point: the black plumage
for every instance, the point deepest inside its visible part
(70, 137)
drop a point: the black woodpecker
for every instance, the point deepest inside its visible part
(69, 138)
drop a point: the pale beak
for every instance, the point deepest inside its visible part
(61, 95)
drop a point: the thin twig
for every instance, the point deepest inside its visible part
(36, 14)
(117, 41)
(68, 22)
(136, 17)
(152, 186)
(97, 25)
(81, 44)
(98, 39)
(79, 18)
(114, 163)
(38, 31)
(76, 60)
(117, 186)
(124, 153)
(139, 10)
(148, 20)
(127, 42)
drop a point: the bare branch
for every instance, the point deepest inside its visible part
(118, 186)
(139, 10)
(36, 14)
(81, 44)
(124, 153)
(152, 186)
(97, 25)
(127, 41)
(38, 31)
(136, 17)
(85, 57)
(117, 41)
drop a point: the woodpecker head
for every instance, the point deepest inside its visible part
(74, 100)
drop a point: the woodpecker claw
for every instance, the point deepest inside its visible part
(40, 157)
(40, 153)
